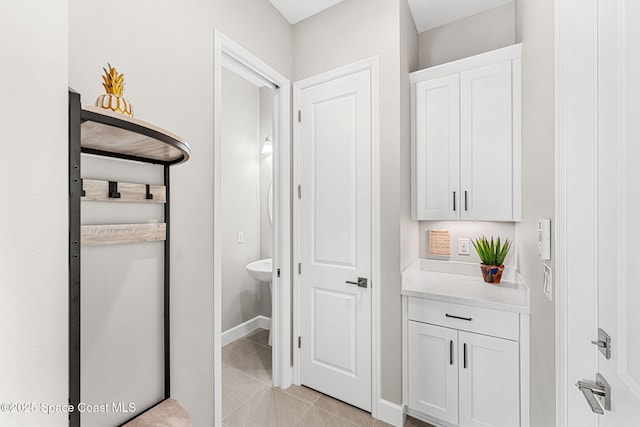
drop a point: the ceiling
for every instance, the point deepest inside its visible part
(297, 10)
(427, 14)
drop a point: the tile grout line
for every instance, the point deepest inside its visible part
(244, 403)
(339, 416)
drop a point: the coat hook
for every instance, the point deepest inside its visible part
(149, 195)
(113, 190)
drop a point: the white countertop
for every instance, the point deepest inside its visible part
(461, 283)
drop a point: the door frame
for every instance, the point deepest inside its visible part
(371, 64)
(576, 210)
(225, 49)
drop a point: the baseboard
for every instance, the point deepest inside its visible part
(390, 413)
(237, 332)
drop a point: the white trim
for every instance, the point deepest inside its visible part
(492, 57)
(390, 413)
(239, 331)
(371, 64)
(225, 49)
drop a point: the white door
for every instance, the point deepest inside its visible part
(433, 363)
(486, 143)
(619, 204)
(335, 238)
(599, 81)
(489, 381)
(437, 149)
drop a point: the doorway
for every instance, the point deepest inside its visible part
(237, 63)
(336, 286)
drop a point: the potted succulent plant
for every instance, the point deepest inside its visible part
(492, 254)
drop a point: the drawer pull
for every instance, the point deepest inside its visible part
(465, 356)
(450, 352)
(468, 319)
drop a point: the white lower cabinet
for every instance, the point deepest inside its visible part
(458, 377)
(433, 371)
(488, 381)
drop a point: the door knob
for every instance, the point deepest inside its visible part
(362, 282)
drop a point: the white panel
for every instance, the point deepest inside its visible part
(437, 149)
(334, 330)
(433, 368)
(486, 143)
(489, 385)
(122, 328)
(334, 181)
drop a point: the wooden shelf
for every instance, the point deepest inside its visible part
(113, 234)
(98, 191)
(112, 134)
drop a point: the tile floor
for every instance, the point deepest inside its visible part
(248, 399)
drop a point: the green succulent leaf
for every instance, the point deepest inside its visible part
(491, 252)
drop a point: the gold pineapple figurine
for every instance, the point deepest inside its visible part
(113, 100)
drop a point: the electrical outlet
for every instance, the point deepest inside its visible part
(463, 246)
(547, 282)
(240, 236)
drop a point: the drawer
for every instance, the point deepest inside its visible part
(485, 321)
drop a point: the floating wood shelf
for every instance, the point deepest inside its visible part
(98, 191)
(113, 234)
(112, 134)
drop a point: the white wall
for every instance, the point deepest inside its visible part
(538, 194)
(345, 33)
(33, 209)
(240, 198)
(165, 50)
(476, 34)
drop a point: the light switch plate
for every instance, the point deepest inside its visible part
(544, 239)
(547, 282)
(463, 246)
(240, 236)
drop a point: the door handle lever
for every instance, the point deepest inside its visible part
(598, 394)
(362, 282)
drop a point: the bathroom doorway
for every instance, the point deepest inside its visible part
(252, 223)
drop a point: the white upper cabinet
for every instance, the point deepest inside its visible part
(437, 127)
(466, 139)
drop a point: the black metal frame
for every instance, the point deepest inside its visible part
(76, 116)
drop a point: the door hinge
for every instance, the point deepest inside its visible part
(299, 342)
(299, 191)
(299, 116)
(299, 268)
(278, 273)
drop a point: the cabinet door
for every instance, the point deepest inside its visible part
(486, 158)
(489, 381)
(437, 149)
(433, 371)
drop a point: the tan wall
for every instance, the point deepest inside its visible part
(241, 147)
(33, 208)
(538, 194)
(476, 34)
